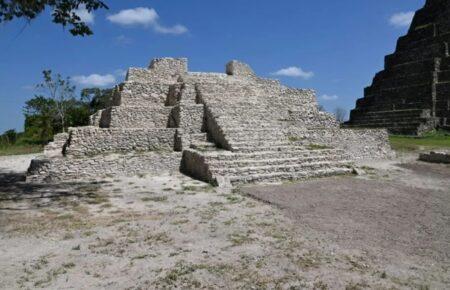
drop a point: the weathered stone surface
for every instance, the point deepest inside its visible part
(411, 95)
(63, 168)
(436, 157)
(231, 128)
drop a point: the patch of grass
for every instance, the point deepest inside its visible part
(294, 139)
(182, 274)
(179, 222)
(162, 238)
(97, 199)
(65, 216)
(20, 149)
(139, 257)
(238, 239)
(431, 140)
(232, 199)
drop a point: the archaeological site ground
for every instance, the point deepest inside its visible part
(228, 180)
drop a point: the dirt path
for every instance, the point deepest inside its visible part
(398, 214)
(170, 231)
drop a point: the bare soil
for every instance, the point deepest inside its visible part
(387, 229)
(398, 214)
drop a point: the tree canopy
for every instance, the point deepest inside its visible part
(63, 12)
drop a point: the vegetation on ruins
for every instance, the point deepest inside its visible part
(63, 12)
(53, 111)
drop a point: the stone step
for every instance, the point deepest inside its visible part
(255, 123)
(397, 130)
(430, 51)
(307, 166)
(392, 120)
(261, 142)
(427, 32)
(375, 115)
(377, 104)
(245, 136)
(407, 92)
(300, 152)
(363, 122)
(283, 176)
(198, 136)
(396, 113)
(444, 76)
(241, 163)
(279, 148)
(408, 44)
(203, 146)
(391, 82)
(391, 127)
(417, 66)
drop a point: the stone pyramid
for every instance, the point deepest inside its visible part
(412, 94)
(222, 128)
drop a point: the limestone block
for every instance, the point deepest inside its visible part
(236, 68)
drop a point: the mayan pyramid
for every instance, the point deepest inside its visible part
(222, 128)
(412, 94)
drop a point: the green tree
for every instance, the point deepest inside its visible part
(62, 92)
(11, 136)
(98, 99)
(40, 119)
(63, 12)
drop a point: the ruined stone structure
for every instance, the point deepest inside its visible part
(412, 94)
(221, 128)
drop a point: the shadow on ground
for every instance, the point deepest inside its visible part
(17, 194)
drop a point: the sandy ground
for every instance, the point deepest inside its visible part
(387, 229)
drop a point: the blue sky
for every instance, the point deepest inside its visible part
(334, 47)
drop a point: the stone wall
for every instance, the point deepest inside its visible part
(143, 94)
(357, 143)
(311, 119)
(189, 118)
(137, 117)
(94, 119)
(55, 148)
(89, 141)
(56, 169)
(160, 70)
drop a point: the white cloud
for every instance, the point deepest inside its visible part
(147, 17)
(137, 16)
(85, 16)
(329, 97)
(95, 80)
(295, 72)
(177, 29)
(402, 19)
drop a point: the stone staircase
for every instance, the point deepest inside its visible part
(400, 122)
(256, 149)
